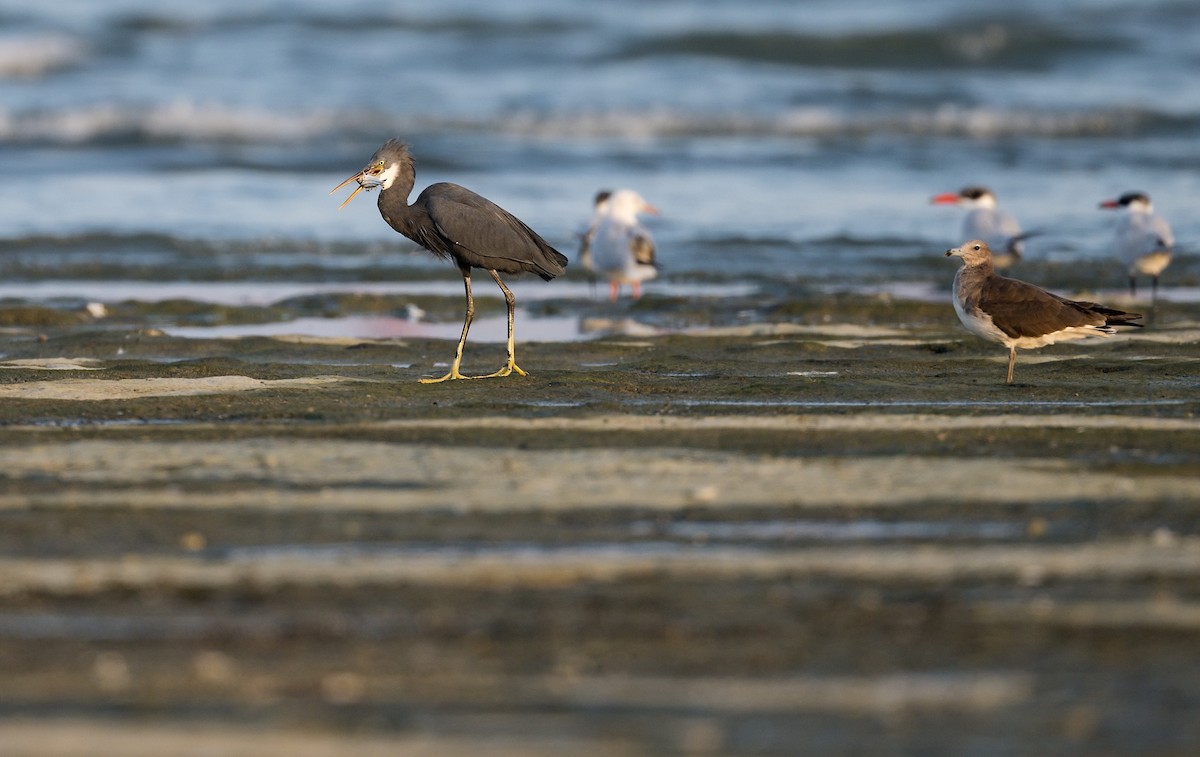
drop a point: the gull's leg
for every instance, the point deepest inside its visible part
(614, 290)
(1012, 361)
(511, 366)
(462, 340)
(1153, 318)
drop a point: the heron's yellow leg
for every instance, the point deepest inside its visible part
(462, 340)
(511, 366)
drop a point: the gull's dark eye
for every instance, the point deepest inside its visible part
(977, 247)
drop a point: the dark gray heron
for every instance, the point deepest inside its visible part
(1018, 314)
(453, 222)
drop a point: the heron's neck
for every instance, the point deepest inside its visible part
(393, 201)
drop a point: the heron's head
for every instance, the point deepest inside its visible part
(381, 171)
(972, 253)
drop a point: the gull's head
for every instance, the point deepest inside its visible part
(974, 252)
(625, 205)
(381, 171)
(600, 201)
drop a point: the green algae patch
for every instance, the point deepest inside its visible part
(31, 317)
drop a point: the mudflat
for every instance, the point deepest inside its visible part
(827, 536)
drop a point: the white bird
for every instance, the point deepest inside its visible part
(985, 221)
(617, 246)
(1143, 240)
(588, 230)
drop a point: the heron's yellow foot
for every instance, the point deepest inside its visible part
(452, 375)
(512, 367)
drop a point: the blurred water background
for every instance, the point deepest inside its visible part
(146, 143)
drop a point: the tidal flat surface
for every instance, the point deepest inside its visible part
(832, 527)
(781, 505)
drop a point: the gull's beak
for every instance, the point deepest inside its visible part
(954, 251)
(356, 177)
(648, 208)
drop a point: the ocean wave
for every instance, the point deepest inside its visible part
(156, 23)
(172, 122)
(993, 44)
(100, 242)
(187, 122)
(125, 243)
(154, 256)
(39, 54)
(831, 122)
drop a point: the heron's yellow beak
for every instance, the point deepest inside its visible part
(356, 177)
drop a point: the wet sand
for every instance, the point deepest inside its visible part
(832, 530)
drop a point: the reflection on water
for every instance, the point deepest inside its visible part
(939, 291)
(651, 539)
(263, 293)
(492, 329)
(879, 404)
(530, 327)
(815, 530)
(513, 551)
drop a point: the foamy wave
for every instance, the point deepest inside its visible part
(830, 122)
(38, 55)
(188, 121)
(989, 44)
(989, 122)
(175, 122)
(191, 122)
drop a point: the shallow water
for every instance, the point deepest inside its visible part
(791, 143)
(963, 404)
(493, 329)
(264, 293)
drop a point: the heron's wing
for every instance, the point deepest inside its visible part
(485, 235)
(1022, 309)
